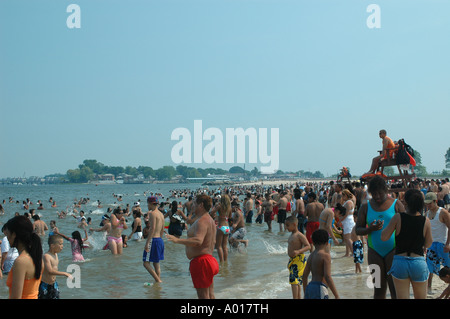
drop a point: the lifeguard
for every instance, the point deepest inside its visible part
(386, 153)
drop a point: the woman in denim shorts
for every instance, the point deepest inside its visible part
(412, 237)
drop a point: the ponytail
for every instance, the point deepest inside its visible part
(35, 252)
(23, 228)
(174, 207)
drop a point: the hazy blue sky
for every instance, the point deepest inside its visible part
(115, 89)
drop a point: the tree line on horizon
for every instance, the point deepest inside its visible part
(90, 168)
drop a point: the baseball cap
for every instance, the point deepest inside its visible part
(430, 197)
(152, 200)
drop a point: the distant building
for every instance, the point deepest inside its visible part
(106, 177)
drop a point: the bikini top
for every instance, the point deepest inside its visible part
(120, 225)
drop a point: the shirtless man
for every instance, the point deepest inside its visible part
(282, 205)
(312, 213)
(267, 208)
(238, 233)
(39, 226)
(299, 211)
(337, 195)
(385, 153)
(446, 191)
(200, 242)
(249, 204)
(326, 222)
(154, 245)
(187, 207)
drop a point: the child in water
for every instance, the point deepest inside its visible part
(297, 246)
(319, 265)
(76, 243)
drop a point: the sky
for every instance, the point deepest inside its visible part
(117, 87)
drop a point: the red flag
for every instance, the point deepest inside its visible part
(412, 161)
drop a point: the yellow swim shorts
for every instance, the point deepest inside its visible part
(296, 267)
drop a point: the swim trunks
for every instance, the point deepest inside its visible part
(301, 223)
(156, 252)
(268, 216)
(259, 219)
(239, 233)
(249, 216)
(203, 269)
(436, 256)
(296, 267)
(48, 291)
(358, 252)
(137, 236)
(311, 227)
(316, 290)
(281, 216)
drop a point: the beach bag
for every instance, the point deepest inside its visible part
(409, 149)
(402, 157)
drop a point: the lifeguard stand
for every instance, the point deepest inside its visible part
(403, 179)
(345, 173)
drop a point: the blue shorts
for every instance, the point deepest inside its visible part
(48, 291)
(436, 256)
(316, 290)
(156, 252)
(414, 268)
(358, 252)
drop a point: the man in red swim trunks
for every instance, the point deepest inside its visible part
(312, 213)
(200, 246)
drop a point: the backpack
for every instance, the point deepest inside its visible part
(409, 149)
(404, 155)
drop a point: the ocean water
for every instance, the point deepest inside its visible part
(258, 271)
